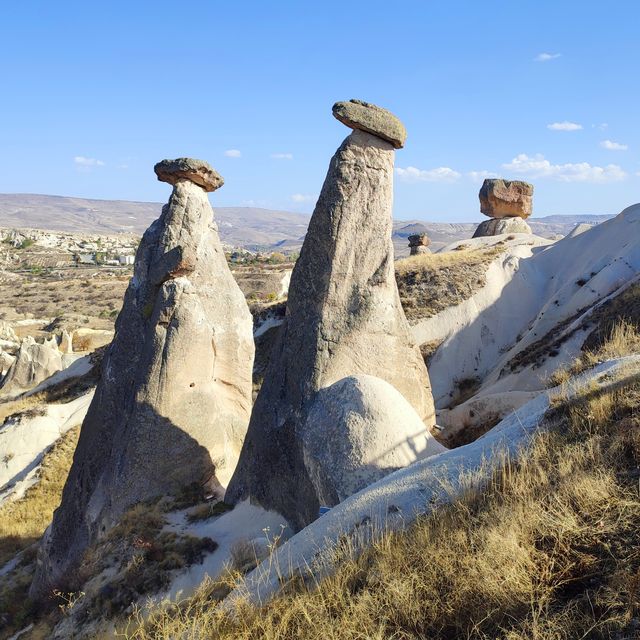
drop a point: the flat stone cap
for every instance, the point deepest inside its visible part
(419, 240)
(506, 198)
(372, 119)
(198, 171)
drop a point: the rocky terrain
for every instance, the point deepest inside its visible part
(221, 442)
(246, 227)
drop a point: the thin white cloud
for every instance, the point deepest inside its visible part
(82, 161)
(602, 126)
(539, 167)
(254, 203)
(303, 197)
(439, 174)
(233, 153)
(545, 57)
(479, 176)
(564, 126)
(613, 146)
(282, 156)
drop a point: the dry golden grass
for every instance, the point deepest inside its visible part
(23, 521)
(548, 551)
(447, 259)
(19, 405)
(429, 283)
(622, 340)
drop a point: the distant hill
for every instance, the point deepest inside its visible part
(248, 227)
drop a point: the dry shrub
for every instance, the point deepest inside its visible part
(548, 551)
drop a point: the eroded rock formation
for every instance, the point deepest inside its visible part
(418, 244)
(498, 226)
(34, 363)
(343, 318)
(359, 430)
(508, 203)
(506, 198)
(174, 399)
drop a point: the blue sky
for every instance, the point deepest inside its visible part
(94, 93)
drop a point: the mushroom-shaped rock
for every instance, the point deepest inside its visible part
(372, 119)
(498, 226)
(419, 243)
(506, 198)
(173, 402)
(358, 430)
(197, 171)
(343, 318)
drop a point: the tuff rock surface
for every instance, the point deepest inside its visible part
(343, 318)
(498, 226)
(359, 430)
(368, 117)
(34, 363)
(197, 171)
(506, 198)
(174, 399)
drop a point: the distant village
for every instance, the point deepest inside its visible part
(38, 249)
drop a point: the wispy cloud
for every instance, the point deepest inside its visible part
(564, 126)
(282, 156)
(439, 174)
(254, 203)
(82, 161)
(602, 126)
(233, 153)
(303, 197)
(539, 167)
(479, 176)
(545, 57)
(613, 146)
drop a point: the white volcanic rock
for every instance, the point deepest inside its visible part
(358, 430)
(25, 438)
(499, 226)
(173, 401)
(34, 363)
(535, 291)
(343, 318)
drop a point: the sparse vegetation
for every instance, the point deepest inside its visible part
(207, 510)
(625, 306)
(23, 521)
(429, 283)
(623, 340)
(48, 293)
(548, 550)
